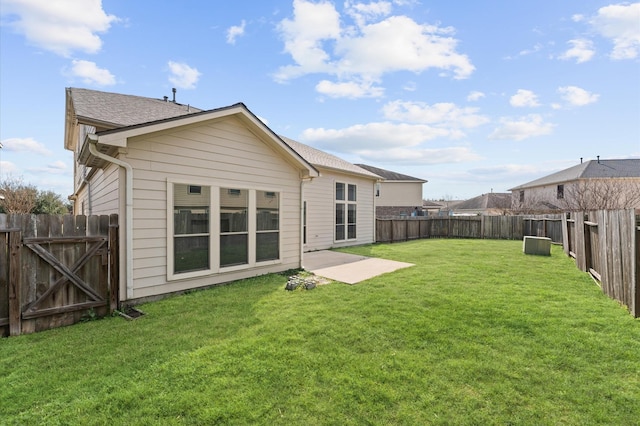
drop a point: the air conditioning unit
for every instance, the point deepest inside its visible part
(537, 245)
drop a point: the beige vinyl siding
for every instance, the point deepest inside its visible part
(219, 153)
(101, 192)
(320, 197)
(400, 194)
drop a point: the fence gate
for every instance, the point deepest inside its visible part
(56, 270)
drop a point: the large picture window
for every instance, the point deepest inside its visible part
(214, 229)
(346, 211)
(191, 231)
(234, 230)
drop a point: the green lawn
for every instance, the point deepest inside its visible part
(476, 333)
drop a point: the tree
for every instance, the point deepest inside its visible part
(48, 202)
(602, 194)
(17, 197)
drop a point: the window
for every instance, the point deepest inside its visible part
(346, 211)
(560, 192)
(234, 230)
(267, 226)
(212, 229)
(191, 234)
(522, 196)
(304, 222)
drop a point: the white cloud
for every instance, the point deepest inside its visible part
(364, 12)
(524, 98)
(183, 76)
(420, 156)
(475, 96)
(522, 128)
(60, 26)
(319, 43)
(619, 23)
(91, 74)
(376, 136)
(581, 50)
(7, 168)
(577, 18)
(577, 96)
(439, 114)
(28, 145)
(235, 32)
(385, 142)
(303, 37)
(351, 89)
(55, 168)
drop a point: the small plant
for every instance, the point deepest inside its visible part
(91, 315)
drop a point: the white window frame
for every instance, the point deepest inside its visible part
(346, 203)
(214, 228)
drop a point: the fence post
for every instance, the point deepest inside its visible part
(15, 266)
(580, 249)
(636, 272)
(565, 234)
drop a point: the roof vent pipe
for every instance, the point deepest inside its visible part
(166, 98)
(173, 90)
(598, 159)
(580, 160)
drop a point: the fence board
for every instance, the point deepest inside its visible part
(609, 251)
(59, 268)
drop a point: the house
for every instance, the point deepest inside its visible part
(492, 203)
(340, 199)
(591, 185)
(206, 196)
(397, 194)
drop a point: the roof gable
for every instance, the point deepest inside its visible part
(117, 135)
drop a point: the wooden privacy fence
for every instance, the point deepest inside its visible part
(606, 243)
(489, 227)
(56, 270)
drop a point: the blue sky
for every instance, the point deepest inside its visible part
(472, 96)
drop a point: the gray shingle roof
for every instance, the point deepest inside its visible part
(118, 110)
(389, 175)
(593, 169)
(493, 200)
(115, 111)
(323, 159)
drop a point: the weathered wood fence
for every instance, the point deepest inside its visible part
(56, 270)
(606, 243)
(489, 227)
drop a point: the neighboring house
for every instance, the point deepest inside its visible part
(397, 194)
(204, 197)
(430, 207)
(486, 204)
(591, 185)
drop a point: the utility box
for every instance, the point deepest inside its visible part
(537, 245)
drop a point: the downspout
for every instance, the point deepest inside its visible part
(128, 220)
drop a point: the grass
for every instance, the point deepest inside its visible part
(475, 333)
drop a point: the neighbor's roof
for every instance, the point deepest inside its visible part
(493, 200)
(389, 175)
(593, 169)
(324, 159)
(118, 110)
